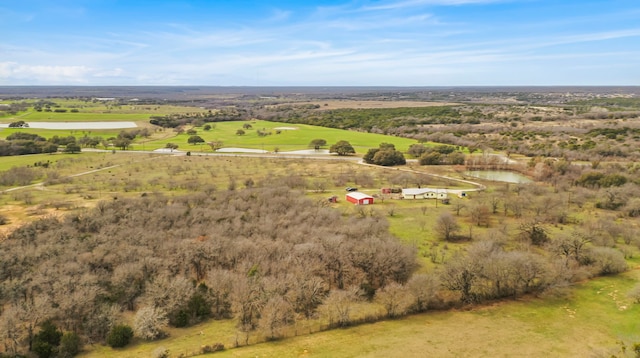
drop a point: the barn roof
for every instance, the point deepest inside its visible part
(358, 195)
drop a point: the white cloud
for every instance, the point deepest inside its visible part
(40, 73)
(394, 5)
(280, 15)
(12, 72)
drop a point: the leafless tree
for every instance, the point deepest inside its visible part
(395, 298)
(10, 330)
(276, 314)
(424, 289)
(447, 226)
(458, 206)
(337, 307)
(149, 323)
(460, 275)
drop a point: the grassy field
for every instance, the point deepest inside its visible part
(528, 328)
(48, 133)
(588, 322)
(289, 138)
(97, 111)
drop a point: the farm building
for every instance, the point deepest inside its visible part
(359, 198)
(424, 193)
(390, 190)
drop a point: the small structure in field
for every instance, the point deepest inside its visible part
(425, 193)
(391, 190)
(359, 198)
(333, 199)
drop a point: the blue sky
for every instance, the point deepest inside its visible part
(320, 43)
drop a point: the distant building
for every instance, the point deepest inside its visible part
(390, 190)
(359, 198)
(425, 193)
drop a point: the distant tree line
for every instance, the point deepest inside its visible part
(198, 118)
(373, 120)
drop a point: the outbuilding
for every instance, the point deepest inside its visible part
(359, 198)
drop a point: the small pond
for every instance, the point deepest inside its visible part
(498, 175)
(77, 125)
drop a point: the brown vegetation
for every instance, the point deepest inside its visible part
(248, 254)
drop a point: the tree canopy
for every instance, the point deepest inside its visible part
(342, 148)
(386, 155)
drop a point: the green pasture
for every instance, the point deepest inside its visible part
(48, 133)
(97, 111)
(286, 140)
(7, 163)
(276, 140)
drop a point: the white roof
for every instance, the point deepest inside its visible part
(420, 191)
(358, 195)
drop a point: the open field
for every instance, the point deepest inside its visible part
(48, 133)
(281, 137)
(95, 111)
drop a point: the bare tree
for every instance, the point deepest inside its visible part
(570, 247)
(480, 214)
(337, 306)
(461, 275)
(308, 293)
(395, 298)
(424, 289)
(447, 226)
(458, 206)
(150, 322)
(276, 314)
(10, 330)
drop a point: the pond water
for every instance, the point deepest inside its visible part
(77, 125)
(499, 175)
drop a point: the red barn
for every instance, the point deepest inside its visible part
(359, 198)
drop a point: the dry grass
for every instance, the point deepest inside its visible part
(587, 324)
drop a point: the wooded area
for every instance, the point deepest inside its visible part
(235, 253)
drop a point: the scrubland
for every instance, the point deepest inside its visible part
(200, 252)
